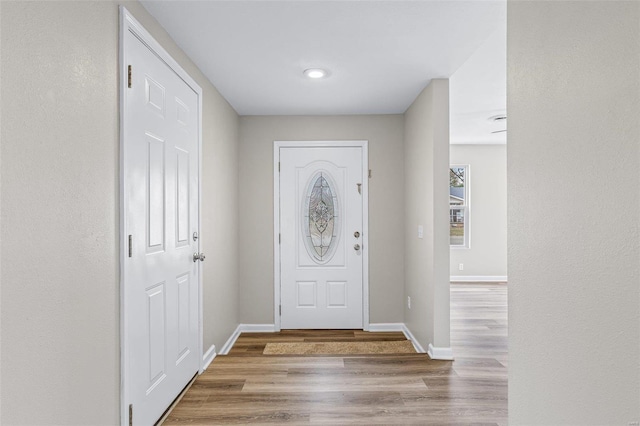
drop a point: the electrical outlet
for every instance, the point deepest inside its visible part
(409, 302)
(461, 267)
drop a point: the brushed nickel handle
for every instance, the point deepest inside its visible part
(198, 256)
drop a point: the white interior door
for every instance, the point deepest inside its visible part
(321, 244)
(160, 184)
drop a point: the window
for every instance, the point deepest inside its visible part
(459, 206)
(320, 217)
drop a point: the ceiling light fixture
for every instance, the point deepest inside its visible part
(315, 73)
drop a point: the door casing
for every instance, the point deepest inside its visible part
(364, 145)
(129, 24)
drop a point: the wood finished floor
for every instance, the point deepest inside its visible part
(246, 387)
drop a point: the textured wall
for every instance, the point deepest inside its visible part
(60, 304)
(573, 212)
(488, 211)
(60, 189)
(386, 240)
(426, 186)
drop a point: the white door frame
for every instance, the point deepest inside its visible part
(365, 219)
(129, 24)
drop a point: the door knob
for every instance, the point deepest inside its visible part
(198, 256)
(357, 247)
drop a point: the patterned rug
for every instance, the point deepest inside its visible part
(340, 348)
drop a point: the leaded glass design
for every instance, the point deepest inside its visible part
(321, 218)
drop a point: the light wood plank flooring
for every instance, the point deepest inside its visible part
(246, 387)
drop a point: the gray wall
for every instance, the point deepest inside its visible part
(386, 238)
(574, 256)
(59, 231)
(487, 255)
(426, 186)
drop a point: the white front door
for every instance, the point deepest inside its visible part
(160, 184)
(321, 242)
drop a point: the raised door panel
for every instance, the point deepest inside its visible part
(337, 294)
(306, 294)
(183, 173)
(157, 335)
(184, 315)
(154, 96)
(155, 189)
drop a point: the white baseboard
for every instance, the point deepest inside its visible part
(413, 339)
(440, 353)
(208, 357)
(398, 326)
(387, 326)
(230, 341)
(245, 328)
(478, 278)
(434, 353)
(257, 328)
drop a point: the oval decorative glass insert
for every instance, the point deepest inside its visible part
(321, 218)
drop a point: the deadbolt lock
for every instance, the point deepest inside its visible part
(356, 234)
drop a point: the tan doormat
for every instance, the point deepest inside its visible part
(340, 348)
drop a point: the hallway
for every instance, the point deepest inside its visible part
(249, 387)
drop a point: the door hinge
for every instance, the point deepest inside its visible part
(130, 246)
(129, 76)
(369, 173)
(130, 414)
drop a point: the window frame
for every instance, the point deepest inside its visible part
(466, 207)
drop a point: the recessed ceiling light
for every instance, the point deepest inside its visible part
(315, 73)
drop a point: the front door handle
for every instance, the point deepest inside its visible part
(356, 247)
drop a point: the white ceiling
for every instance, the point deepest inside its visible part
(380, 54)
(478, 91)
